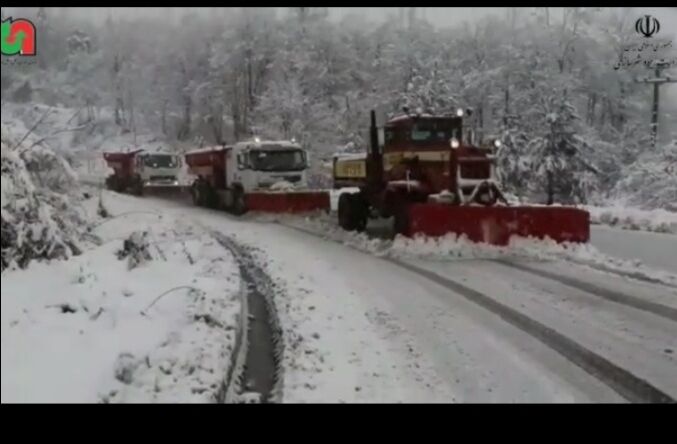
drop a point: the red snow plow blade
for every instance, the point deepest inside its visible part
(292, 202)
(495, 225)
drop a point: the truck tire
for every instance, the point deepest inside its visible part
(402, 220)
(361, 207)
(137, 187)
(239, 206)
(195, 194)
(211, 199)
(352, 212)
(345, 218)
(111, 183)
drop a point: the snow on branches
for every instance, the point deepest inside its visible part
(41, 215)
(651, 181)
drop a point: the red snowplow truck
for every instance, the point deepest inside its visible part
(141, 172)
(265, 176)
(420, 171)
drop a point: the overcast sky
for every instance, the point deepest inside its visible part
(439, 16)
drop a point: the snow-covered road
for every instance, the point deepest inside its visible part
(658, 250)
(358, 328)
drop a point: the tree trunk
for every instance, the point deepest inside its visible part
(163, 118)
(621, 108)
(185, 126)
(507, 104)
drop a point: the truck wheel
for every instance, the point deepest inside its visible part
(110, 183)
(361, 211)
(402, 220)
(345, 210)
(352, 212)
(210, 197)
(137, 187)
(239, 206)
(195, 194)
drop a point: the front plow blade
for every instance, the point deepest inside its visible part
(496, 225)
(292, 202)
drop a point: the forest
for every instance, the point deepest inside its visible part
(574, 128)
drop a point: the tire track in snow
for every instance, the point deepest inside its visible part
(631, 387)
(257, 372)
(614, 296)
(623, 382)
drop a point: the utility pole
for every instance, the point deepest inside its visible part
(657, 81)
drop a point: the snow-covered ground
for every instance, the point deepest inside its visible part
(661, 221)
(92, 330)
(655, 250)
(357, 328)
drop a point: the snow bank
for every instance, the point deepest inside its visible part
(658, 220)
(452, 247)
(92, 330)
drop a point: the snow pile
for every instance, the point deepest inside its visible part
(453, 247)
(657, 220)
(282, 186)
(42, 216)
(92, 330)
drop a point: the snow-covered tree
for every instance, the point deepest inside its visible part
(41, 217)
(224, 75)
(559, 155)
(651, 181)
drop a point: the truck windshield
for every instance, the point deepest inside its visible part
(277, 160)
(433, 131)
(160, 161)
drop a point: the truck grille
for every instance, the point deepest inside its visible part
(475, 171)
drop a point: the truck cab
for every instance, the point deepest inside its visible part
(254, 175)
(258, 165)
(157, 169)
(139, 170)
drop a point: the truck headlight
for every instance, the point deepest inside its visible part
(455, 143)
(497, 143)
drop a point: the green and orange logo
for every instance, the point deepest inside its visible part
(17, 37)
